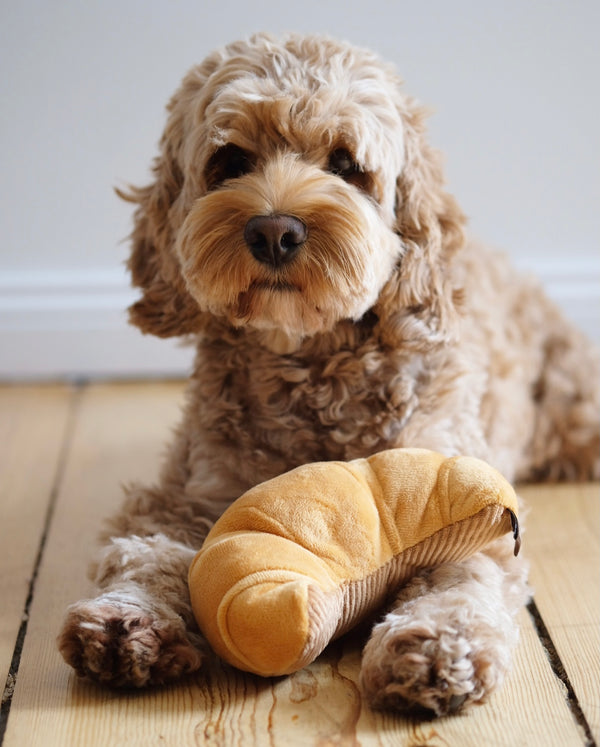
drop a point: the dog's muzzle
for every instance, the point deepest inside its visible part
(274, 239)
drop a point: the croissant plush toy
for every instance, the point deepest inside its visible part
(300, 559)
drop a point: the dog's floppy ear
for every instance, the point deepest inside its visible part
(166, 308)
(419, 301)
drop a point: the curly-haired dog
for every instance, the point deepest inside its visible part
(298, 227)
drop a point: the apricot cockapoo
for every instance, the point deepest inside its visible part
(298, 228)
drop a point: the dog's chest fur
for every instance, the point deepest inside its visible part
(341, 396)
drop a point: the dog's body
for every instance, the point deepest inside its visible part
(299, 228)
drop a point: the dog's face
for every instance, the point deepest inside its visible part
(291, 185)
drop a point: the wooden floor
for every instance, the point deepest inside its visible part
(64, 453)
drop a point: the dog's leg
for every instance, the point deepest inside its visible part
(140, 630)
(448, 640)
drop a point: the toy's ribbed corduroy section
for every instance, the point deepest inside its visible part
(300, 559)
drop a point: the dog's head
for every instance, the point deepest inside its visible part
(294, 189)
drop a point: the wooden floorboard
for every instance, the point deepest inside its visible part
(33, 428)
(118, 436)
(563, 542)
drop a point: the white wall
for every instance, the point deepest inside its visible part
(83, 88)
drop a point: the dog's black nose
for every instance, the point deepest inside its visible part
(274, 239)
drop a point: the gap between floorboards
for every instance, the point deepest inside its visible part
(11, 679)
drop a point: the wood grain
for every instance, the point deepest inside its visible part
(118, 437)
(33, 422)
(563, 541)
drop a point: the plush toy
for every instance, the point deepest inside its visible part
(302, 558)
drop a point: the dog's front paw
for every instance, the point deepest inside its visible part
(120, 640)
(421, 671)
(434, 662)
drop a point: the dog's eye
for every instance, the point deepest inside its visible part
(228, 162)
(341, 163)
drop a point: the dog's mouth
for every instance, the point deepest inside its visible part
(274, 285)
(263, 294)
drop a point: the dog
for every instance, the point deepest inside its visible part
(298, 229)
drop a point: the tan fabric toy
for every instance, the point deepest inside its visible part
(300, 559)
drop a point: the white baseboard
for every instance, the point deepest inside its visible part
(73, 325)
(70, 325)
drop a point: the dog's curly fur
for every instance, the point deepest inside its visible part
(372, 323)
